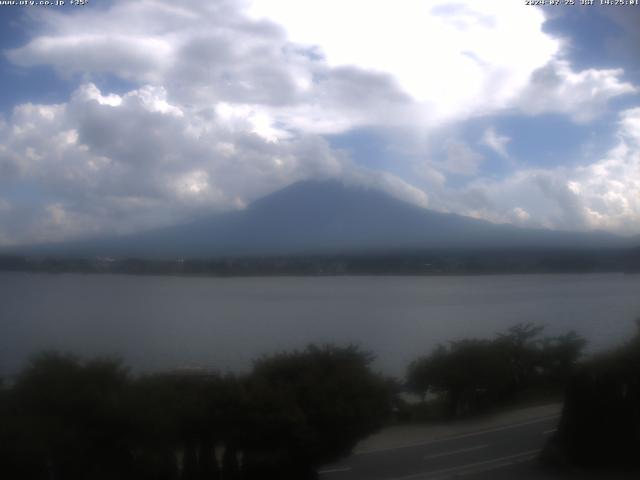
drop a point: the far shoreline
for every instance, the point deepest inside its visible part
(439, 263)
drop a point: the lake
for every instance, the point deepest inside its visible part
(166, 322)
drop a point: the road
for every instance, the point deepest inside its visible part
(505, 452)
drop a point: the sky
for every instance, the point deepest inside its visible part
(121, 116)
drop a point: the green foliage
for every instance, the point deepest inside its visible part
(331, 397)
(476, 374)
(559, 355)
(600, 423)
(67, 418)
(70, 419)
(183, 415)
(469, 372)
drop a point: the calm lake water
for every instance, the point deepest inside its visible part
(166, 322)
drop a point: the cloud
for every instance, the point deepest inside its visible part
(455, 60)
(301, 66)
(460, 158)
(602, 195)
(520, 215)
(122, 163)
(496, 142)
(452, 61)
(229, 100)
(205, 53)
(393, 185)
(556, 88)
(130, 57)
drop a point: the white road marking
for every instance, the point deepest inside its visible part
(474, 471)
(334, 470)
(463, 435)
(470, 468)
(454, 452)
(547, 432)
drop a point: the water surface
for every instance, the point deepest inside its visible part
(166, 322)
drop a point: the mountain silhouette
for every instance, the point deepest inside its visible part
(325, 217)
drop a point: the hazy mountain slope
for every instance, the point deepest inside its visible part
(328, 217)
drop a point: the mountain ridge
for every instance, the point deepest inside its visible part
(327, 217)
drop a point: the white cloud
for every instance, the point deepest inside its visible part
(131, 57)
(136, 161)
(582, 95)
(461, 159)
(393, 185)
(611, 187)
(603, 195)
(455, 60)
(227, 105)
(520, 215)
(496, 142)
(431, 175)
(324, 66)
(450, 58)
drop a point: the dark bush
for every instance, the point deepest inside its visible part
(311, 407)
(600, 423)
(67, 419)
(475, 375)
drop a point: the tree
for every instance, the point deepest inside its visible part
(560, 354)
(180, 419)
(521, 343)
(600, 423)
(68, 419)
(473, 374)
(312, 406)
(470, 373)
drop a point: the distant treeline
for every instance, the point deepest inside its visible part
(421, 263)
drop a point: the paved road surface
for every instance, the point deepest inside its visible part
(504, 452)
